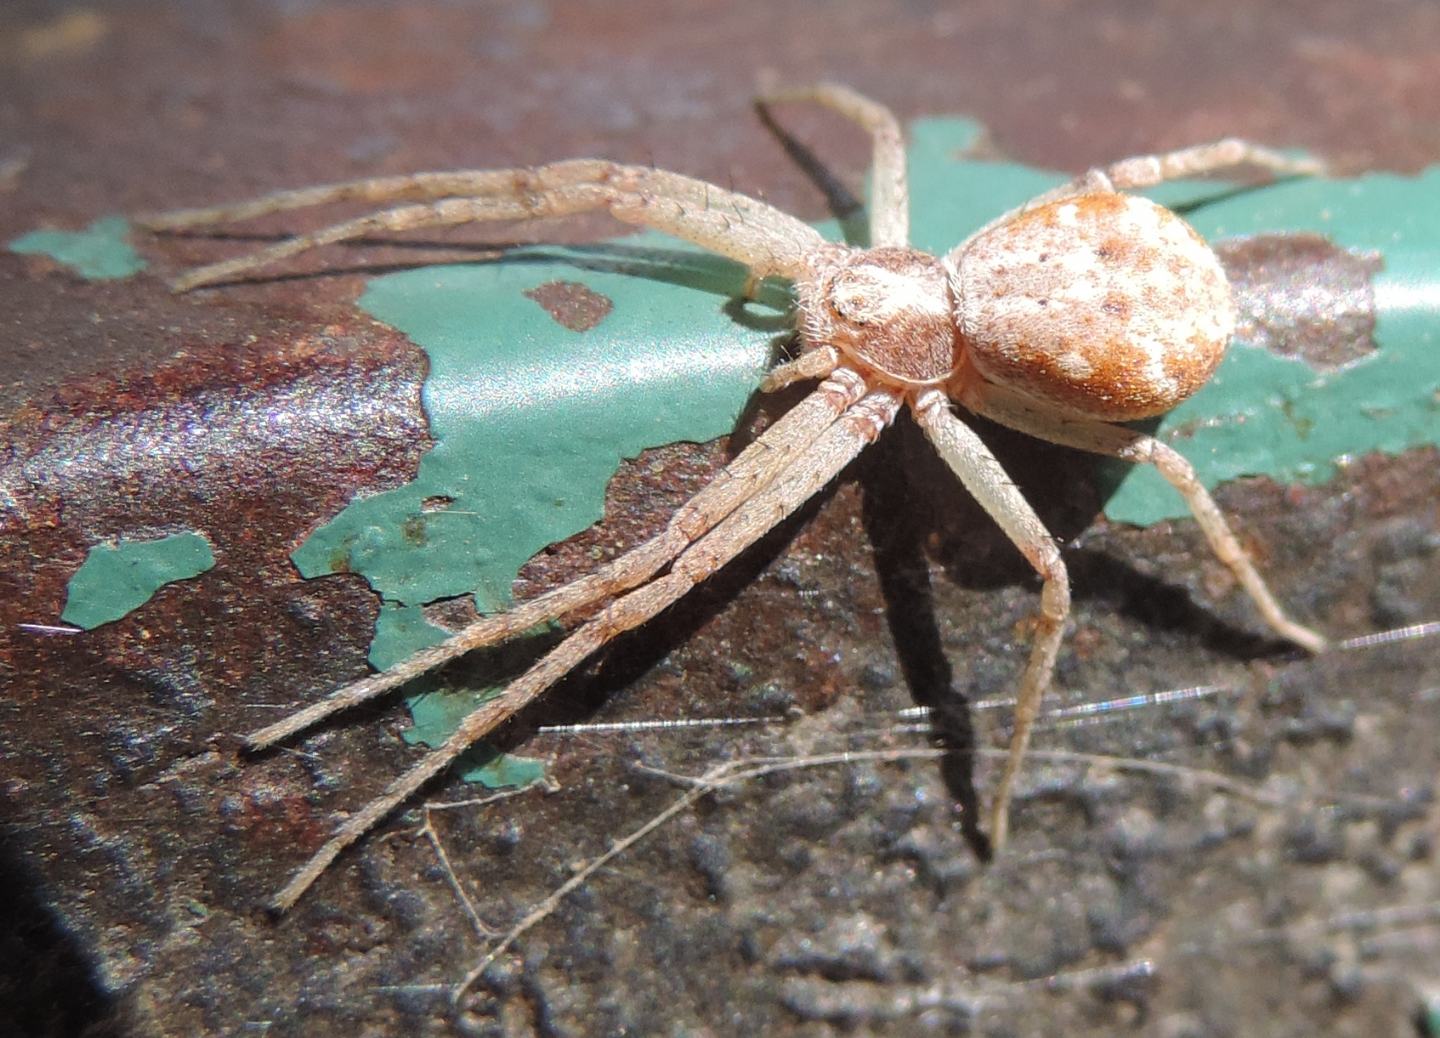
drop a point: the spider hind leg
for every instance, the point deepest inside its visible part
(1119, 442)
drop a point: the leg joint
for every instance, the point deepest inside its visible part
(873, 413)
(844, 386)
(1055, 596)
(1171, 463)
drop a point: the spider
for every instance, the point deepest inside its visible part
(1083, 308)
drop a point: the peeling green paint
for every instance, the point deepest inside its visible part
(1277, 416)
(118, 577)
(531, 419)
(438, 713)
(401, 631)
(101, 252)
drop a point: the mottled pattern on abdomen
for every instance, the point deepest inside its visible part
(1106, 304)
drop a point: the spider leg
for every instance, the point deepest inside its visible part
(1118, 442)
(1144, 171)
(750, 471)
(889, 190)
(820, 462)
(767, 241)
(814, 363)
(408, 187)
(480, 183)
(983, 477)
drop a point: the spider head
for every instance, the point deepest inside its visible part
(887, 310)
(1104, 304)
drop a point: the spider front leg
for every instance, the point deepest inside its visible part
(407, 187)
(818, 362)
(1118, 442)
(820, 462)
(991, 486)
(767, 241)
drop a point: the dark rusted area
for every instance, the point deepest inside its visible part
(223, 439)
(571, 304)
(1300, 295)
(137, 842)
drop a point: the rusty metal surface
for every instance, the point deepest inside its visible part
(1301, 296)
(140, 841)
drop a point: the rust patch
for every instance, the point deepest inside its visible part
(572, 304)
(1300, 295)
(252, 444)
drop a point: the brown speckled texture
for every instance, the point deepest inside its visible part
(137, 842)
(1106, 304)
(571, 304)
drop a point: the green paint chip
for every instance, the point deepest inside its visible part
(119, 577)
(400, 632)
(1277, 416)
(531, 418)
(98, 253)
(438, 713)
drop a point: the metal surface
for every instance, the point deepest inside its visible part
(140, 841)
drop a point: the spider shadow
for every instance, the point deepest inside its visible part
(62, 990)
(916, 512)
(848, 210)
(582, 694)
(689, 268)
(897, 537)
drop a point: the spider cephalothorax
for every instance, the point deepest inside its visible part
(1084, 307)
(887, 310)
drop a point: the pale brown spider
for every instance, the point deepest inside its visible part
(1082, 308)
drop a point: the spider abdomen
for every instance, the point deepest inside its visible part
(1104, 304)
